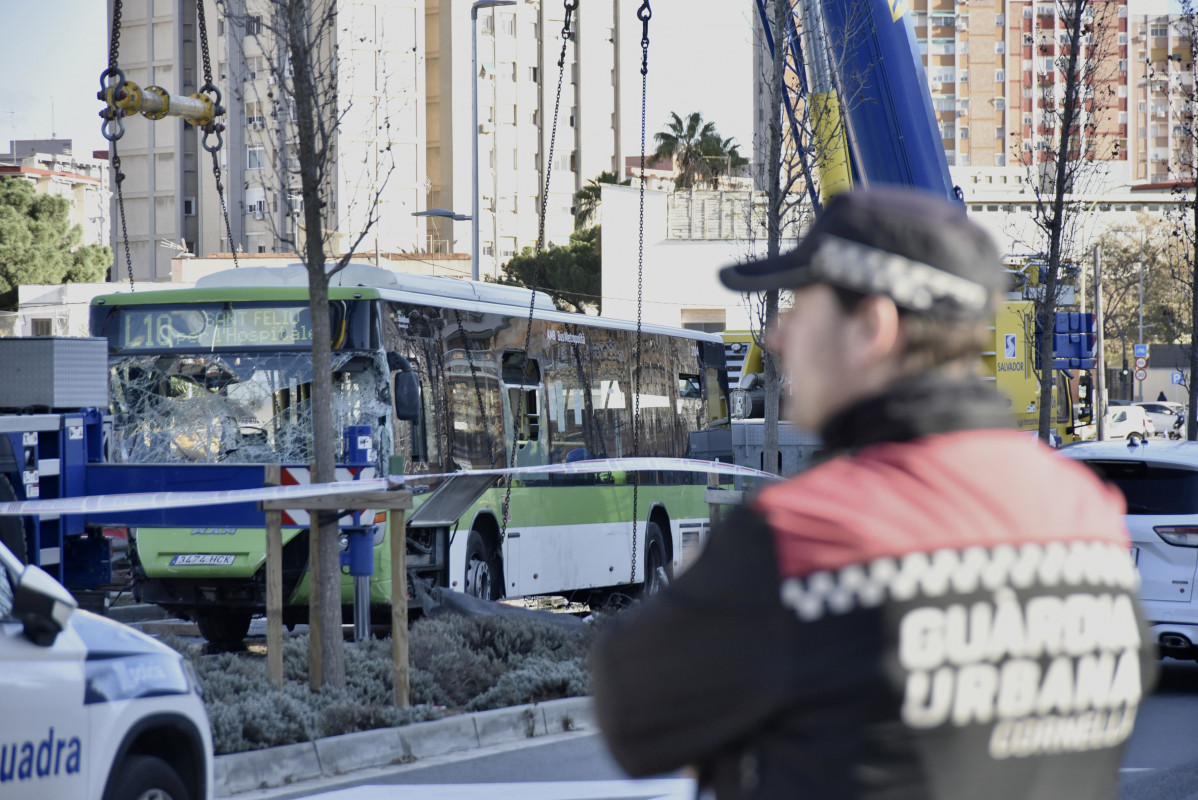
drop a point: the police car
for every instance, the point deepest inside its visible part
(90, 708)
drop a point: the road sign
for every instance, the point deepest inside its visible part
(1177, 378)
(1141, 374)
(1141, 362)
(1140, 350)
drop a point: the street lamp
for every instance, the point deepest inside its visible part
(447, 214)
(474, 131)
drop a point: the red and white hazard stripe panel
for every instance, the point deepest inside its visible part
(302, 476)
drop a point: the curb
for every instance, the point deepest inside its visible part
(338, 755)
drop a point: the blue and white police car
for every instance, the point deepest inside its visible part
(90, 708)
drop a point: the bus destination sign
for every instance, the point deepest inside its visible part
(215, 327)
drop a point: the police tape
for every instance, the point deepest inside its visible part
(144, 501)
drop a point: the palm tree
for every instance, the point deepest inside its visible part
(722, 156)
(586, 199)
(682, 141)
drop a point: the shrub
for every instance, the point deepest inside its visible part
(455, 663)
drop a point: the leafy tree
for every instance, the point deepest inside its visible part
(39, 245)
(586, 199)
(570, 274)
(682, 140)
(722, 156)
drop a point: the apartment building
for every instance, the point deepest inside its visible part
(518, 50)
(991, 64)
(377, 165)
(53, 169)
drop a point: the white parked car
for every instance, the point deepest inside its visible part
(1122, 422)
(1167, 418)
(1159, 481)
(90, 708)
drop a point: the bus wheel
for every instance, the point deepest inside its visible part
(484, 573)
(145, 778)
(12, 529)
(224, 627)
(656, 576)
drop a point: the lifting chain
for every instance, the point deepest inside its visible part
(567, 36)
(644, 14)
(113, 117)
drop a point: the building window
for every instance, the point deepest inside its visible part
(1000, 19)
(963, 132)
(532, 74)
(709, 320)
(1122, 117)
(253, 25)
(255, 157)
(1000, 132)
(488, 249)
(1000, 47)
(515, 69)
(1027, 119)
(1123, 65)
(253, 115)
(964, 76)
(508, 21)
(293, 161)
(963, 159)
(41, 326)
(1123, 90)
(1000, 159)
(1123, 38)
(220, 27)
(1000, 104)
(1000, 75)
(1027, 12)
(515, 119)
(189, 206)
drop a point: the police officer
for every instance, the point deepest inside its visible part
(941, 608)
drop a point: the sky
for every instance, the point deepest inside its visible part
(700, 59)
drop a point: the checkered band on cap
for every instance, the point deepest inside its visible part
(911, 284)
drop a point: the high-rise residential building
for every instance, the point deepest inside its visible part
(376, 168)
(991, 63)
(168, 188)
(518, 51)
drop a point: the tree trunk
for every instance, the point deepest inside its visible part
(1046, 305)
(1192, 387)
(326, 645)
(773, 386)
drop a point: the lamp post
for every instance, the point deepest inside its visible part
(474, 130)
(447, 214)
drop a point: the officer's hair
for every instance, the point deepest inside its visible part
(931, 342)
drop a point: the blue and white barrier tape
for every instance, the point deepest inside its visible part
(145, 501)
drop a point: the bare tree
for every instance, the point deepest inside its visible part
(1066, 150)
(312, 108)
(1183, 216)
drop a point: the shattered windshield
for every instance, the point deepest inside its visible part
(235, 407)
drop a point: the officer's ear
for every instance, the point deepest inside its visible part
(877, 332)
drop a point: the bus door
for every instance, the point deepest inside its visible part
(523, 399)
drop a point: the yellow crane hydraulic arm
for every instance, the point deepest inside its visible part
(124, 98)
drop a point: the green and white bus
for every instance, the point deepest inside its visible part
(436, 372)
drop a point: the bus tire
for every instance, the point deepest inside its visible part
(12, 529)
(224, 627)
(656, 568)
(484, 571)
(141, 777)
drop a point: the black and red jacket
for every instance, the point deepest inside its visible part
(945, 610)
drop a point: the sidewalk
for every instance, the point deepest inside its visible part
(340, 755)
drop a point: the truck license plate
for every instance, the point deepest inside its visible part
(202, 559)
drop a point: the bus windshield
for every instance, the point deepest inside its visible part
(235, 407)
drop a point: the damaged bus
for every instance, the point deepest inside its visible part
(430, 375)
